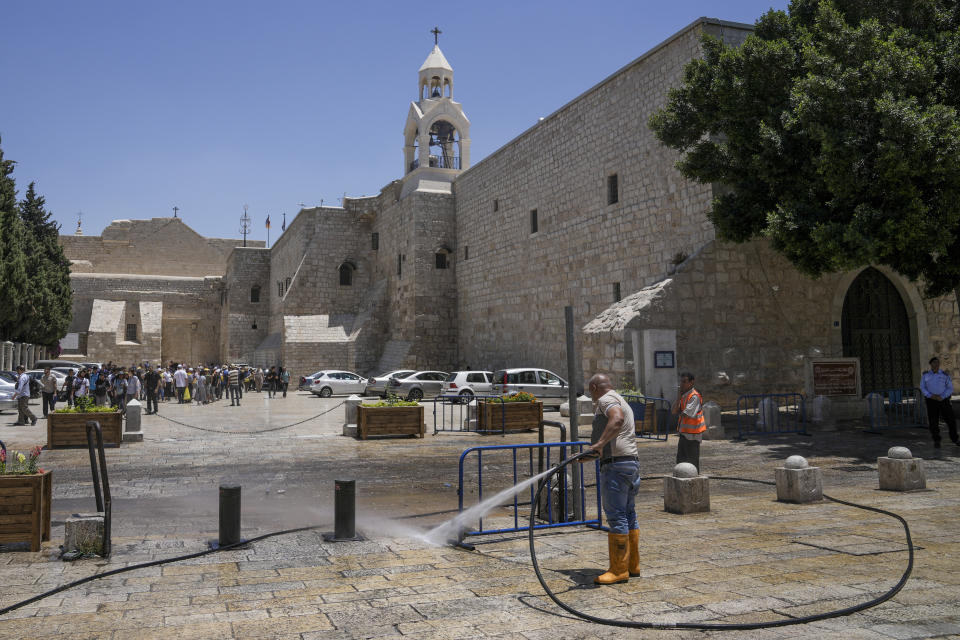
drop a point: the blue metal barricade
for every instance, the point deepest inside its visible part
(455, 413)
(557, 509)
(771, 414)
(896, 409)
(651, 416)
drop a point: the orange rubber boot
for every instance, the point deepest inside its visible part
(617, 544)
(633, 553)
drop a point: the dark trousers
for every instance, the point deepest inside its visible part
(24, 415)
(180, 394)
(152, 397)
(688, 451)
(285, 385)
(271, 389)
(234, 394)
(49, 402)
(936, 409)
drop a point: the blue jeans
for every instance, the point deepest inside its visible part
(618, 491)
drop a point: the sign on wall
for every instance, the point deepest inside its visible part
(836, 378)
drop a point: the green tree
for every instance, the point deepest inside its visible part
(14, 312)
(832, 131)
(49, 296)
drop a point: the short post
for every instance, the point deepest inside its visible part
(344, 512)
(900, 471)
(822, 414)
(712, 415)
(686, 491)
(798, 482)
(229, 515)
(132, 431)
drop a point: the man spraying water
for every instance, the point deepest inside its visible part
(613, 440)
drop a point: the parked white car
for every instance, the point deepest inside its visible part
(547, 386)
(377, 386)
(336, 382)
(468, 383)
(7, 403)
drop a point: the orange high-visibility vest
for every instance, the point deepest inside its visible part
(692, 425)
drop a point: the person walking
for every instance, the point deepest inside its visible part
(133, 389)
(258, 379)
(234, 381)
(100, 389)
(271, 380)
(284, 380)
(120, 390)
(81, 386)
(22, 395)
(689, 406)
(180, 380)
(613, 440)
(48, 387)
(937, 388)
(151, 384)
(68, 388)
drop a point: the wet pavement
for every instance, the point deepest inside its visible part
(749, 559)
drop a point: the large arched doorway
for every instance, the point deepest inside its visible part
(876, 329)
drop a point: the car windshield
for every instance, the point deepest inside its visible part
(451, 377)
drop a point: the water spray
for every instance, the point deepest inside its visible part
(745, 626)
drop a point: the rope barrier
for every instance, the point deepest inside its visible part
(240, 433)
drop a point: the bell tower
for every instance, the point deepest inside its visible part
(437, 134)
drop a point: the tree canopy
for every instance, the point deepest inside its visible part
(35, 294)
(832, 131)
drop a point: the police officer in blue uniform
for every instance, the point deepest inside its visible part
(937, 389)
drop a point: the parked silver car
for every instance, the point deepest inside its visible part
(468, 383)
(306, 382)
(7, 403)
(377, 386)
(547, 386)
(418, 385)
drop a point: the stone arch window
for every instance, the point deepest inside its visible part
(436, 88)
(286, 284)
(255, 293)
(346, 270)
(442, 256)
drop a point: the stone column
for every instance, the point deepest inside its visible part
(17, 354)
(132, 431)
(7, 356)
(31, 355)
(685, 491)
(798, 482)
(900, 471)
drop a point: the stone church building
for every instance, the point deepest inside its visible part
(455, 265)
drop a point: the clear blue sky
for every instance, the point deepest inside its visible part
(124, 109)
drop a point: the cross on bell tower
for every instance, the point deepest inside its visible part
(436, 35)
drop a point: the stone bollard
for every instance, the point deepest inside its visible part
(132, 431)
(83, 534)
(900, 471)
(712, 415)
(686, 491)
(350, 414)
(585, 409)
(874, 410)
(768, 414)
(821, 414)
(798, 482)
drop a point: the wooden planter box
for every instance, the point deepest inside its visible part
(390, 421)
(25, 508)
(644, 416)
(510, 416)
(70, 429)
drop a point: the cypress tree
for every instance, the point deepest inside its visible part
(14, 312)
(48, 273)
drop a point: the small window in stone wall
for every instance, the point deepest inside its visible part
(375, 241)
(255, 294)
(131, 335)
(534, 223)
(441, 260)
(399, 265)
(280, 288)
(346, 275)
(613, 189)
(253, 326)
(286, 285)
(496, 204)
(616, 292)
(466, 252)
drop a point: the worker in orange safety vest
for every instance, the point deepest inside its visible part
(689, 405)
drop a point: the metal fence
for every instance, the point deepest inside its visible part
(896, 409)
(455, 413)
(771, 414)
(499, 467)
(651, 416)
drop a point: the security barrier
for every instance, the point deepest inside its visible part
(519, 466)
(896, 409)
(771, 414)
(455, 414)
(651, 416)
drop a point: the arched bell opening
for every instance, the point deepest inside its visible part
(445, 149)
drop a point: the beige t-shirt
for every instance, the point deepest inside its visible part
(625, 444)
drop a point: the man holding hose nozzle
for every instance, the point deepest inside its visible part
(613, 440)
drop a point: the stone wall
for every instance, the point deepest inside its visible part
(159, 246)
(746, 320)
(513, 283)
(244, 323)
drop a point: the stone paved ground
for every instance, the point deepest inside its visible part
(749, 559)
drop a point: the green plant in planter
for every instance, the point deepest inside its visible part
(85, 404)
(393, 400)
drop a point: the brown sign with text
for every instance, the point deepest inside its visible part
(835, 378)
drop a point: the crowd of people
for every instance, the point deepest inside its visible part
(113, 385)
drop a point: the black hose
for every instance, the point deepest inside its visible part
(143, 565)
(742, 626)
